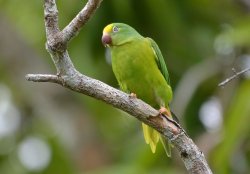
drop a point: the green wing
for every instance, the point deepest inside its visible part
(160, 60)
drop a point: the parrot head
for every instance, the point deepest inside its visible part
(116, 34)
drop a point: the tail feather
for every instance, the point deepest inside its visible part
(152, 138)
(167, 145)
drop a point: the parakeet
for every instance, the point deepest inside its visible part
(140, 69)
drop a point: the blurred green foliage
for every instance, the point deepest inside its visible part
(87, 136)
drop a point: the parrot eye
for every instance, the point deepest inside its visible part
(115, 29)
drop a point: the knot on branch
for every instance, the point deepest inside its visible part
(56, 43)
(184, 154)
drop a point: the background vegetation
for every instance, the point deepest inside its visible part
(47, 129)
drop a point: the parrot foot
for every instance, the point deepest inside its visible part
(165, 111)
(132, 95)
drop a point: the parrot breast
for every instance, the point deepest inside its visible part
(137, 72)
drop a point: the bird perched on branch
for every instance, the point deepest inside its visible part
(140, 70)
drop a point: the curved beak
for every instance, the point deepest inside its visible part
(106, 39)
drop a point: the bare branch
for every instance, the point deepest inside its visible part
(43, 78)
(69, 77)
(222, 84)
(51, 17)
(81, 18)
(192, 157)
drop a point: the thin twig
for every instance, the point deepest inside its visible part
(43, 78)
(72, 29)
(236, 74)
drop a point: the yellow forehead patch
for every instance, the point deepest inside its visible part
(108, 28)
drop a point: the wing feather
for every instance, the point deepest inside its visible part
(160, 60)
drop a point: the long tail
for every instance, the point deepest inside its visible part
(167, 145)
(152, 138)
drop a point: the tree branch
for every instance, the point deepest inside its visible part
(69, 77)
(222, 84)
(51, 18)
(43, 78)
(81, 18)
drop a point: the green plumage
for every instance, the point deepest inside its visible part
(139, 68)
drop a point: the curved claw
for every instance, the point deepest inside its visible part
(132, 95)
(165, 111)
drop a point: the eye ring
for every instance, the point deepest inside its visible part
(115, 29)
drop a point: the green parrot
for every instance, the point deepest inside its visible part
(140, 70)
